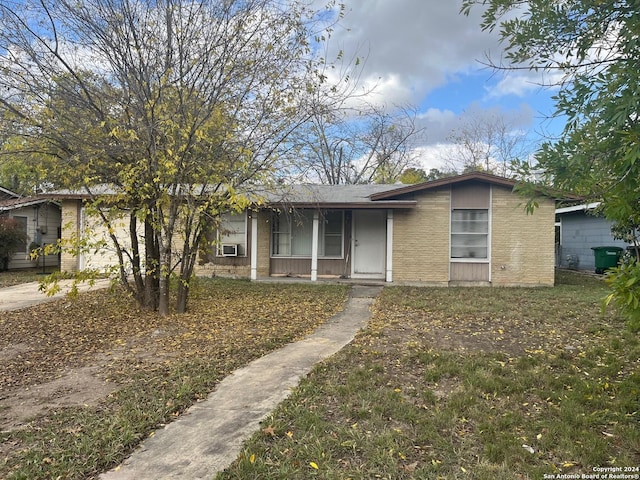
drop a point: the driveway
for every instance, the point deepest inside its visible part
(27, 294)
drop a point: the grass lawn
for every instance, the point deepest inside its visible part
(83, 382)
(482, 383)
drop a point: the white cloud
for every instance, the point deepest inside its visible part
(410, 46)
(426, 53)
(523, 83)
(434, 156)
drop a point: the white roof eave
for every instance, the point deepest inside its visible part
(578, 208)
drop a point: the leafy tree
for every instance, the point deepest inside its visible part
(418, 175)
(170, 106)
(413, 175)
(12, 239)
(25, 173)
(593, 45)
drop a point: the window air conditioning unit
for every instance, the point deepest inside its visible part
(229, 250)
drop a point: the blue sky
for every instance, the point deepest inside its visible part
(424, 53)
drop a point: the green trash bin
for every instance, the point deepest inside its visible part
(606, 257)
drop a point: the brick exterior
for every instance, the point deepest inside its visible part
(232, 271)
(522, 246)
(70, 230)
(264, 243)
(421, 240)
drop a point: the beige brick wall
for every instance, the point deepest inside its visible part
(70, 230)
(421, 240)
(522, 245)
(232, 271)
(264, 243)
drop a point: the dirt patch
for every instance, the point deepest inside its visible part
(11, 351)
(76, 387)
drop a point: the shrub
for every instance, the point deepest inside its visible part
(624, 281)
(12, 237)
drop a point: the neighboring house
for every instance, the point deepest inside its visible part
(39, 218)
(579, 230)
(469, 229)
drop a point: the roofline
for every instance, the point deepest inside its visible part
(27, 203)
(70, 196)
(583, 207)
(389, 204)
(5, 190)
(280, 203)
(481, 176)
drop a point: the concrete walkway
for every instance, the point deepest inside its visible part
(209, 436)
(27, 294)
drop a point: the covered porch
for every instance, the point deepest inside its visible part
(316, 244)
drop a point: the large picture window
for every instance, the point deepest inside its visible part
(292, 234)
(233, 231)
(469, 233)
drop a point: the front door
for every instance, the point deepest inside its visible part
(369, 236)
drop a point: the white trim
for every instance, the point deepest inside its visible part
(489, 229)
(469, 260)
(578, 208)
(254, 246)
(314, 246)
(82, 260)
(389, 273)
(449, 231)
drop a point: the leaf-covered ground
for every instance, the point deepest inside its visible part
(83, 381)
(478, 383)
(16, 277)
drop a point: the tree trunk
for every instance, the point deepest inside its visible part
(186, 270)
(164, 275)
(183, 295)
(152, 261)
(135, 260)
(189, 258)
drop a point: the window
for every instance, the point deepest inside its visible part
(21, 223)
(292, 234)
(233, 231)
(331, 229)
(469, 233)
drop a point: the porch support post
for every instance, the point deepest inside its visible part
(389, 268)
(314, 246)
(254, 246)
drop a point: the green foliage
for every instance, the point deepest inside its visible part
(11, 238)
(413, 175)
(594, 45)
(624, 281)
(181, 106)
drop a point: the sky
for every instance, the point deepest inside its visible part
(426, 54)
